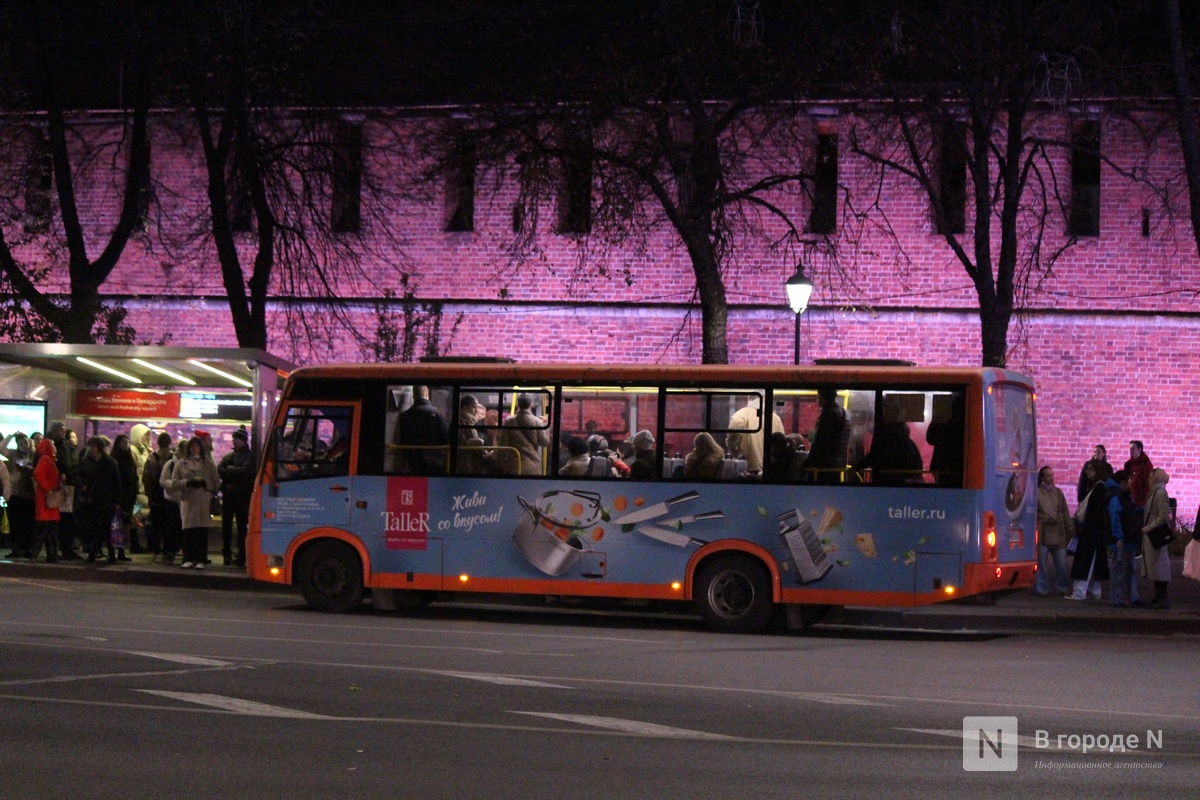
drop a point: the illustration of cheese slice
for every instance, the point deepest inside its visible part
(830, 519)
(865, 543)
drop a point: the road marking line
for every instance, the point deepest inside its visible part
(503, 680)
(104, 676)
(235, 705)
(180, 658)
(629, 726)
(1026, 742)
(38, 584)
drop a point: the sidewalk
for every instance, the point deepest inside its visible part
(1018, 612)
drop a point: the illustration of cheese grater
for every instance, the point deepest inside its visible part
(808, 556)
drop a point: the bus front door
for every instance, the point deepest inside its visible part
(311, 484)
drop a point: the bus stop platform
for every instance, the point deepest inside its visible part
(1018, 612)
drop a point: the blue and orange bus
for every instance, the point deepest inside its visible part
(746, 491)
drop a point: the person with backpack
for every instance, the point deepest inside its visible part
(1090, 566)
(1125, 541)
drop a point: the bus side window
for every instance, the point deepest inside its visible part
(313, 442)
(945, 435)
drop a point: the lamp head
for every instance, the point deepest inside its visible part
(799, 290)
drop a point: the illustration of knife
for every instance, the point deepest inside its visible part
(670, 537)
(656, 510)
(678, 522)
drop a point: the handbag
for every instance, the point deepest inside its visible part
(1160, 536)
(55, 498)
(117, 535)
(68, 503)
(1191, 560)
(1081, 511)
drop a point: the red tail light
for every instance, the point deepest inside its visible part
(989, 536)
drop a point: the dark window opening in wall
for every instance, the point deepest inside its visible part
(575, 202)
(460, 191)
(239, 206)
(823, 218)
(1145, 223)
(346, 183)
(1085, 179)
(952, 181)
(38, 185)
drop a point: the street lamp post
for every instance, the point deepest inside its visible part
(799, 289)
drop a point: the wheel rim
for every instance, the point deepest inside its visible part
(731, 594)
(329, 577)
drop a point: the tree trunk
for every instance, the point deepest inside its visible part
(714, 312)
(993, 330)
(1186, 113)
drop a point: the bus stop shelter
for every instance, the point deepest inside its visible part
(162, 387)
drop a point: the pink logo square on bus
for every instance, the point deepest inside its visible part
(406, 520)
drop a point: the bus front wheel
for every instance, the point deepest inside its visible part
(733, 594)
(330, 577)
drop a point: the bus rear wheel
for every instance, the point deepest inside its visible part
(330, 577)
(733, 594)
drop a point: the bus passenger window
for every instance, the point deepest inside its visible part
(420, 442)
(945, 434)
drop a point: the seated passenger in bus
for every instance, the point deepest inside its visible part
(424, 435)
(894, 459)
(704, 462)
(642, 467)
(579, 461)
(471, 455)
(522, 439)
(780, 457)
(598, 448)
(826, 459)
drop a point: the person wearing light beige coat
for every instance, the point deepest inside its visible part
(1156, 562)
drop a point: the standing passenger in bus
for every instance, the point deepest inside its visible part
(946, 438)
(750, 444)
(524, 434)
(827, 459)
(471, 455)
(424, 429)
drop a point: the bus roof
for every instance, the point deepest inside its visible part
(730, 374)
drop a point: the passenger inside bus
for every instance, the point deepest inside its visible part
(894, 459)
(642, 468)
(826, 461)
(704, 462)
(423, 436)
(471, 452)
(945, 434)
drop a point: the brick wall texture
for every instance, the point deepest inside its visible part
(1108, 331)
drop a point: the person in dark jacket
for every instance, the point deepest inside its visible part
(237, 483)
(163, 537)
(97, 493)
(1100, 456)
(1090, 566)
(826, 461)
(423, 428)
(122, 453)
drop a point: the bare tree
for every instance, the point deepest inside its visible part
(51, 155)
(290, 194)
(676, 116)
(1186, 113)
(971, 88)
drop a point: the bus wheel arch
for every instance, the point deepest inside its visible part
(733, 592)
(330, 576)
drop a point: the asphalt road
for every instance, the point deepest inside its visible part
(110, 691)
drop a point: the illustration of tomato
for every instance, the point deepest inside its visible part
(620, 503)
(597, 534)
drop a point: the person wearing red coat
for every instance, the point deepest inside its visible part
(45, 480)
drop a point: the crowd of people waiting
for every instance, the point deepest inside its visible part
(1119, 531)
(96, 502)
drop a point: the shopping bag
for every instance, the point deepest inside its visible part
(68, 503)
(117, 536)
(1191, 560)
